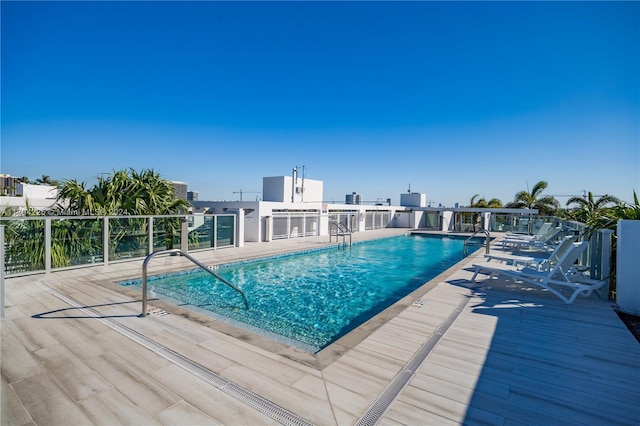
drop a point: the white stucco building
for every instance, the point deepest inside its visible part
(39, 197)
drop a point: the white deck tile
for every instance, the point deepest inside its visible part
(17, 362)
(436, 403)
(354, 380)
(141, 389)
(11, 409)
(47, 403)
(351, 403)
(370, 363)
(316, 408)
(408, 414)
(184, 414)
(113, 408)
(214, 403)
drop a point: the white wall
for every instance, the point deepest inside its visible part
(20, 203)
(273, 189)
(403, 220)
(280, 188)
(36, 191)
(253, 224)
(414, 199)
(628, 267)
(447, 221)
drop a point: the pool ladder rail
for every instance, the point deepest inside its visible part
(468, 242)
(192, 259)
(341, 230)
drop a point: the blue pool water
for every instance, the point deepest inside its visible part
(311, 299)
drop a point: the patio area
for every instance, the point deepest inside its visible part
(74, 351)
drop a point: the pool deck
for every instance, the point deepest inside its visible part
(75, 352)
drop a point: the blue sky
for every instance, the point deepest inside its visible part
(452, 98)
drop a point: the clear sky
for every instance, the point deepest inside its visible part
(452, 98)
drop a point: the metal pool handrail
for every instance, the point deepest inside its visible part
(340, 230)
(192, 259)
(465, 252)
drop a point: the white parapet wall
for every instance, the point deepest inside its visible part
(628, 267)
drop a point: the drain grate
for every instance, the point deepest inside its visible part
(380, 405)
(243, 395)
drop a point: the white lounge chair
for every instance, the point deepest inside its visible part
(561, 276)
(538, 242)
(542, 263)
(544, 229)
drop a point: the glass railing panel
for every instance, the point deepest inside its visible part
(166, 233)
(76, 242)
(225, 235)
(201, 232)
(500, 222)
(24, 245)
(128, 238)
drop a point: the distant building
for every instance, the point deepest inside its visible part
(353, 198)
(179, 189)
(8, 185)
(40, 198)
(192, 195)
(39, 192)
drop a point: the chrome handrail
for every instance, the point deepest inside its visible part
(340, 230)
(192, 259)
(465, 251)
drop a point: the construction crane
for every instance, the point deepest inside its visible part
(245, 192)
(584, 195)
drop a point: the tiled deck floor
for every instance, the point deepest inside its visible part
(512, 355)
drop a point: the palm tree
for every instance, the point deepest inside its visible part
(493, 203)
(546, 205)
(75, 198)
(123, 192)
(127, 192)
(588, 208)
(46, 180)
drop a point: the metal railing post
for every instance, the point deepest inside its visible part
(105, 240)
(150, 230)
(47, 245)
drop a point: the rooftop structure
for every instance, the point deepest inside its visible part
(179, 189)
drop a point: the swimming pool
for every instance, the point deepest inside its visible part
(311, 299)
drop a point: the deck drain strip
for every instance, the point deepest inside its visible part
(243, 395)
(382, 403)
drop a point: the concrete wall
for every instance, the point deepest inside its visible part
(273, 189)
(19, 203)
(628, 267)
(280, 188)
(403, 220)
(36, 191)
(447, 221)
(413, 199)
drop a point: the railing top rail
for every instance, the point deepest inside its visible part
(82, 217)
